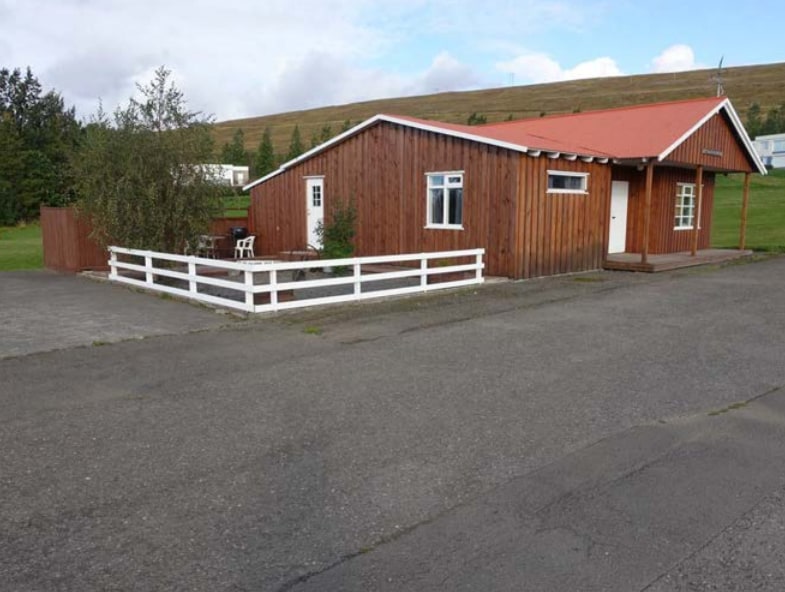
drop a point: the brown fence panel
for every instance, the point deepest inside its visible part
(67, 246)
(222, 225)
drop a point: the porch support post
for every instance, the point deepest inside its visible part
(697, 211)
(745, 200)
(647, 212)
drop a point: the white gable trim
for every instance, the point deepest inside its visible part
(314, 151)
(414, 125)
(739, 127)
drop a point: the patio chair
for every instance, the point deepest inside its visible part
(205, 246)
(244, 248)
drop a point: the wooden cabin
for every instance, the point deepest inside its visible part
(543, 196)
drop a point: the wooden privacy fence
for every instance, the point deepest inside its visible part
(67, 243)
(262, 286)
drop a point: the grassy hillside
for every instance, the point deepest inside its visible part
(765, 217)
(744, 85)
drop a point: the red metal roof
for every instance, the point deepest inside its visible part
(626, 132)
(637, 132)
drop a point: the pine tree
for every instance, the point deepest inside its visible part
(234, 152)
(38, 135)
(264, 160)
(754, 121)
(296, 147)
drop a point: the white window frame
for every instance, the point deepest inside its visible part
(678, 206)
(554, 173)
(446, 186)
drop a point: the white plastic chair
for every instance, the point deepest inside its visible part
(244, 248)
(205, 247)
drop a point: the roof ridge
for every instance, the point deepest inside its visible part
(607, 109)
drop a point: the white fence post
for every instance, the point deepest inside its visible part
(357, 279)
(423, 271)
(274, 289)
(112, 264)
(192, 280)
(249, 304)
(148, 270)
(478, 273)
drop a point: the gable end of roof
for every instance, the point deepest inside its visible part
(737, 126)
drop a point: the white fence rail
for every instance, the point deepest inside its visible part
(260, 286)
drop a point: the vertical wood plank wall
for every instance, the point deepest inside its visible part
(66, 242)
(561, 233)
(663, 237)
(525, 231)
(383, 170)
(715, 135)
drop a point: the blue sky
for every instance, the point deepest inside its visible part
(254, 57)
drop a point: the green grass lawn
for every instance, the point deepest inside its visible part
(21, 247)
(236, 206)
(765, 217)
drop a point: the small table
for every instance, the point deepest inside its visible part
(213, 249)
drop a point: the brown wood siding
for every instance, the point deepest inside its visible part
(383, 170)
(663, 237)
(715, 135)
(66, 242)
(222, 225)
(561, 233)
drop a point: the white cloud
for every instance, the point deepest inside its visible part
(320, 79)
(535, 67)
(676, 58)
(445, 74)
(248, 57)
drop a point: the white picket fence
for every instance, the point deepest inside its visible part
(249, 279)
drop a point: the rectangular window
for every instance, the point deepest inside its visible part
(685, 206)
(316, 196)
(567, 182)
(445, 200)
(779, 146)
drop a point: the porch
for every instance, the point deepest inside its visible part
(669, 261)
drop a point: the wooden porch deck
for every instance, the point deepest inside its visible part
(668, 261)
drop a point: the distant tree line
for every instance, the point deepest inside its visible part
(38, 135)
(137, 174)
(265, 159)
(772, 123)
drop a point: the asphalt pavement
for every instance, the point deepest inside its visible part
(596, 432)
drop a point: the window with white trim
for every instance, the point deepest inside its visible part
(685, 206)
(568, 182)
(445, 200)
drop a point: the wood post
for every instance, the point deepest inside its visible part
(745, 200)
(647, 212)
(696, 212)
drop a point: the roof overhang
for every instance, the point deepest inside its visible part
(424, 127)
(737, 125)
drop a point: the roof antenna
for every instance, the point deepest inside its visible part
(718, 79)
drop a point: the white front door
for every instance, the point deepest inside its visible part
(617, 238)
(314, 208)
